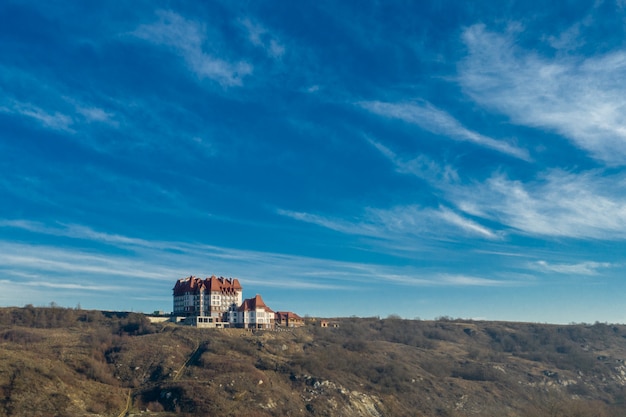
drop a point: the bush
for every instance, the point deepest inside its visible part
(20, 336)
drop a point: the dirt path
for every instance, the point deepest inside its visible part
(128, 403)
(192, 358)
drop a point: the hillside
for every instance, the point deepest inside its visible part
(63, 362)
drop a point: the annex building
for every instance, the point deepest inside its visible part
(218, 302)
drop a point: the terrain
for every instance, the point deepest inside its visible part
(72, 362)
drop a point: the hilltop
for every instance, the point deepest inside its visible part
(64, 362)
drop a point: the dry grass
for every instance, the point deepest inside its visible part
(55, 362)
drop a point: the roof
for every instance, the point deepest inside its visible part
(195, 285)
(287, 315)
(252, 304)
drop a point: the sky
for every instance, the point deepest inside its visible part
(354, 158)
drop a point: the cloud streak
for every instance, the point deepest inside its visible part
(421, 166)
(187, 38)
(588, 205)
(156, 264)
(52, 120)
(580, 98)
(261, 37)
(581, 268)
(437, 121)
(585, 205)
(401, 223)
(449, 280)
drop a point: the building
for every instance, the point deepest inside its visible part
(288, 319)
(212, 297)
(253, 314)
(217, 303)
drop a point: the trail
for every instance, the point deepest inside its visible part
(194, 355)
(128, 402)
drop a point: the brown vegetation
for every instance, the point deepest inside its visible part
(64, 362)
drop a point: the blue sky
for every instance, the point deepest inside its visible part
(365, 158)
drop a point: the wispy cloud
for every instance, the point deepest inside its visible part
(444, 280)
(581, 268)
(439, 122)
(470, 226)
(401, 222)
(156, 264)
(188, 38)
(589, 204)
(421, 166)
(581, 98)
(468, 280)
(73, 231)
(54, 120)
(260, 36)
(53, 260)
(70, 286)
(559, 203)
(570, 39)
(96, 115)
(49, 103)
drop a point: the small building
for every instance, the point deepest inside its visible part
(253, 314)
(288, 319)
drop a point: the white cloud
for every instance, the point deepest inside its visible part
(434, 120)
(337, 225)
(33, 258)
(96, 114)
(468, 280)
(466, 224)
(444, 280)
(421, 166)
(75, 286)
(261, 37)
(582, 268)
(586, 205)
(401, 223)
(154, 265)
(581, 98)
(52, 120)
(188, 38)
(591, 204)
(571, 38)
(52, 106)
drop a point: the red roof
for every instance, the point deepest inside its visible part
(287, 315)
(251, 304)
(194, 285)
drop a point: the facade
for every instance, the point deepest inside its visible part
(206, 322)
(212, 297)
(288, 319)
(253, 314)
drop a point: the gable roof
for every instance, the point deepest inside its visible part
(253, 304)
(287, 315)
(195, 285)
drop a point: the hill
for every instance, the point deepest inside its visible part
(64, 362)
